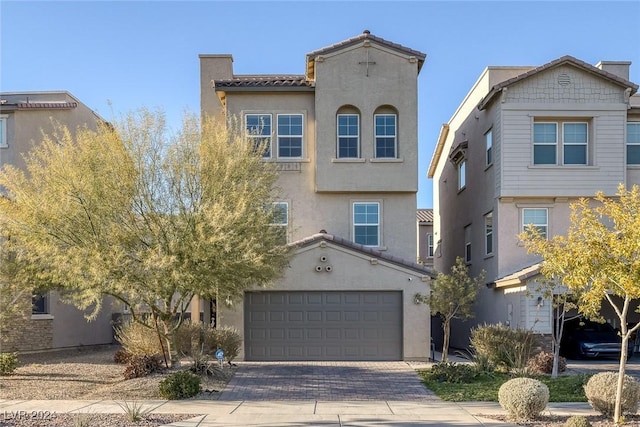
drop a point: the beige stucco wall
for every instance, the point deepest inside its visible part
(354, 272)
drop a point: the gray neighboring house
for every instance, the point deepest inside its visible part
(51, 324)
(344, 137)
(426, 243)
(523, 144)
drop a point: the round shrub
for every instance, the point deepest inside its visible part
(141, 366)
(542, 363)
(180, 385)
(523, 398)
(601, 393)
(8, 363)
(577, 421)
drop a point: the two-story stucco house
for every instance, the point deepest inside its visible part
(523, 144)
(344, 136)
(51, 324)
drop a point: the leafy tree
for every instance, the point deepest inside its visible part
(452, 297)
(147, 217)
(600, 259)
(15, 298)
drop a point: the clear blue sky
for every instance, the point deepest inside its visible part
(134, 54)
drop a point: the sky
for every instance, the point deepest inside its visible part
(119, 56)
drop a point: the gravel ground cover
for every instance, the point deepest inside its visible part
(87, 374)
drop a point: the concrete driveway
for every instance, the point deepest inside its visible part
(332, 381)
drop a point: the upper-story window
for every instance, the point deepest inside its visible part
(348, 136)
(281, 220)
(429, 245)
(258, 128)
(467, 244)
(3, 130)
(290, 135)
(488, 138)
(462, 174)
(385, 135)
(560, 143)
(633, 143)
(366, 223)
(538, 217)
(488, 233)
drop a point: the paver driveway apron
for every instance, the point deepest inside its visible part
(326, 381)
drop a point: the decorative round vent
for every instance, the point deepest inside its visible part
(564, 79)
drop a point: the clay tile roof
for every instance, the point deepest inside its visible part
(425, 215)
(46, 105)
(265, 81)
(567, 59)
(419, 268)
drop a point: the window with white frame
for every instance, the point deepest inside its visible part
(560, 143)
(258, 129)
(462, 174)
(385, 135)
(348, 136)
(281, 220)
(633, 143)
(366, 223)
(537, 217)
(429, 245)
(290, 135)
(467, 244)
(488, 233)
(488, 138)
(3, 130)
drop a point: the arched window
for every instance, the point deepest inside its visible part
(385, 122)
(348, 133)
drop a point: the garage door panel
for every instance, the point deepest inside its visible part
(308, 325)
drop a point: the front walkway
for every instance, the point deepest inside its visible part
(332, 381)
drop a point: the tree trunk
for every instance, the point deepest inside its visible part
(623, 364)
(445, 343)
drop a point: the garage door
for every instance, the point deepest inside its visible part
(323, 326)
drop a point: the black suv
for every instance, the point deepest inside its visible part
(583, 338)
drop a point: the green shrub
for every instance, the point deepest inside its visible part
(8, 363)
(542, 363)
(142, 365)
(451, 372)
(577, 421)
(601, 393)
(523, 398)
(138, 339)
(502, 347)
(180, 385)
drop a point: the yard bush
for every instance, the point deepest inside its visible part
(503, 347)
(8, 363)
(451, 372)
(142, 365)
(180, 385)
(121, 356)
(601, 393)
(542, 363)
(138, 339)
(577, 421)
(229, 340)
(523, 398)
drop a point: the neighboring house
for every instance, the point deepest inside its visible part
(426, 244)
(523, 145)
(24, 116)
(344, 136)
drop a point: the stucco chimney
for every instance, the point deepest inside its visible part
(213, 67)
(619, 68)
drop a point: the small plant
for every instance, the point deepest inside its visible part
(230, 341)
(180, 385)
(451, 372)
(523, 398)
(577, 421)
(138, 339)
(8, 363)
(542, 363)
(141, 366)
(121, 356)
(135, 411)
(83, 419)
(601, 393)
